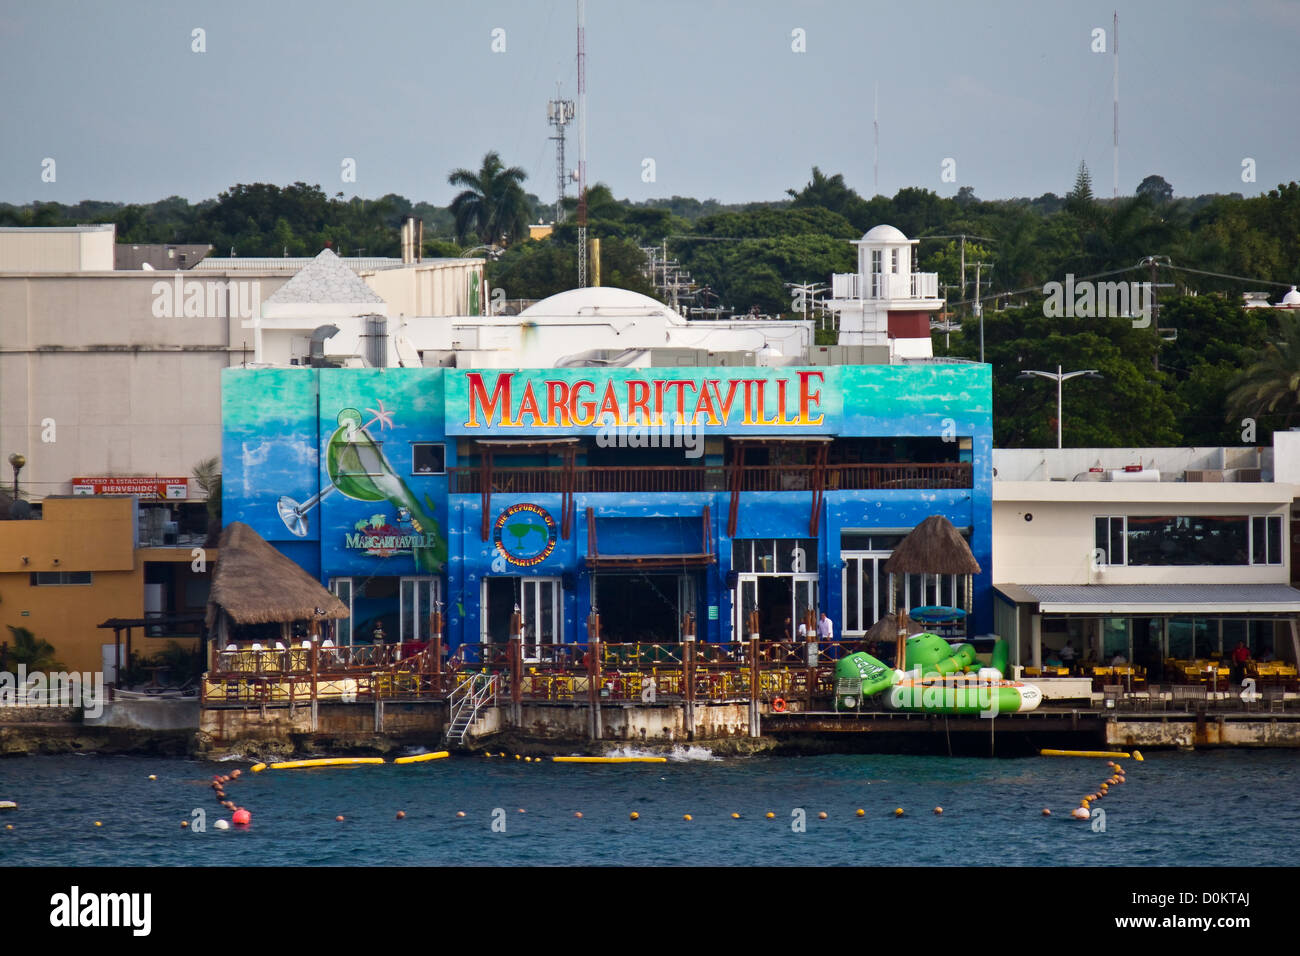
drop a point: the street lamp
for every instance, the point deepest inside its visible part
(17, 461)
(1059, 377)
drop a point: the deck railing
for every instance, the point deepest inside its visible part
(688, 477)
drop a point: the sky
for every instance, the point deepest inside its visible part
(734, 100)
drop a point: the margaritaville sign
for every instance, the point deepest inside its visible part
(756, 399)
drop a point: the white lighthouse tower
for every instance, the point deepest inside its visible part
(885, 302)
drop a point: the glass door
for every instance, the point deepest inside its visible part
(746, 601)
(419, 596)
(342, 588)
(541, 607)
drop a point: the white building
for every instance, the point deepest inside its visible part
(1147, 553)
(885, 302)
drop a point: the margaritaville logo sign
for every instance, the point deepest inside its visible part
(379, 538)
(515, 400)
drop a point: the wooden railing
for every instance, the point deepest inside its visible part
(691, 477)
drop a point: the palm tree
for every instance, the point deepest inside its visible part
(28, 649)
(207, 475)
(1271, 383)
(493, 204)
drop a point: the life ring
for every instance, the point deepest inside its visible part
(778, 706)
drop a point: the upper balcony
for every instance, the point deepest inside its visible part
(885, 285)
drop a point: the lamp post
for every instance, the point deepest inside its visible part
(17, 461)
(1060, 378)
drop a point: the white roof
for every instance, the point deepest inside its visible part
(883, 233)
(600, 301)
(326, 280)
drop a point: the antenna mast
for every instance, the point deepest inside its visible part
(875, 165)
(582, 144)
(559, 113)
(1115, 48)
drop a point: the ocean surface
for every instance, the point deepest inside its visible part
(1176, 809)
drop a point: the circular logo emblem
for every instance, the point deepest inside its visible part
(525, 534)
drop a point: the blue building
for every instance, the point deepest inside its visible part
(647, 494)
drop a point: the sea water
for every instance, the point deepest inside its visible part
(1176, 809)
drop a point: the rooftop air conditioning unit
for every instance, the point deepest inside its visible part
(1203, 475)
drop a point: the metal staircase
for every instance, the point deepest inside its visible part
(472, 694)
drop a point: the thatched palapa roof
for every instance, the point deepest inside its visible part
(886, 629)
(256, 584)
(933, 547)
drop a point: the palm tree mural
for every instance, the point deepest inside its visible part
(493, 205)
(1271, 383)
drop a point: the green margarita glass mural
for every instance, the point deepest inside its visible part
(357, 467)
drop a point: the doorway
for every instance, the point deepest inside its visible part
(781, 600)
(540, 606)
(643, 606)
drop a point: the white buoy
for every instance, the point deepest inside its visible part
(1081, 814)
(8, 805)
(221, 825)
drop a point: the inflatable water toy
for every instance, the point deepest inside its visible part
(610, 759)
(1082, 753)
(421, 758)
(325, 762)
(942, 679)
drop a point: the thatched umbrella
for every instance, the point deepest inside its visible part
(256, 584)
(933, 547)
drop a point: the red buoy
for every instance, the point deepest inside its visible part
(242, 817)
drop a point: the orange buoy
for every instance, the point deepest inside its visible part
(1046, 812)
(339, 818)
(687, 818)
(634, 815)
(401, 814)
(1081, 814)
(460, 813)
(822, 815)
(938, 811)
(578, 814)
(861, 812)
(898, 812)
(769, 815)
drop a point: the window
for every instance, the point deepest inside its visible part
(47, 578)
(893, 261)
(1109, 540)
(1266, 539)
(428, 458)
(1188, 540)
(774, 555)
(875, 261)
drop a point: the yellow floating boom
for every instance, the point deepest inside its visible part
(325, 762)
(610, 759)
(421, 758)
(1082, 753)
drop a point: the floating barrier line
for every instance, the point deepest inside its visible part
(1082, 753)
(421, 758)
(325, 762)
(610, 759)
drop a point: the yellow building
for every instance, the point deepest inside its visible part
(80, 565)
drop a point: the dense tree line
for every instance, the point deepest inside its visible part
(1210, 364)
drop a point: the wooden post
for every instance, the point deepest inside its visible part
(593, 675)
(314, 656)
(754, 680)
(900, 620)
(516, 667)
(688, 673)
(435, 629)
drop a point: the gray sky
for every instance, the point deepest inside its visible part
(710, 90)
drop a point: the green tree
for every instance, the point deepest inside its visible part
(207, 475)
(30, 651)
(493, 204)
(1156, 189)
(1270, 384)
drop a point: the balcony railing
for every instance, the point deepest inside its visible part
(607, 479)
(885, 285)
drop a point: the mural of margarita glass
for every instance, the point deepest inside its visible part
(358, 468)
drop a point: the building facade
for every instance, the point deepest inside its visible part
(659, 498)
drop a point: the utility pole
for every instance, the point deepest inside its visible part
(979, 306)
(582, 144)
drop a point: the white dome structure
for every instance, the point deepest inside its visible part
(1291, 300)
(599, 301)
(883, 233)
